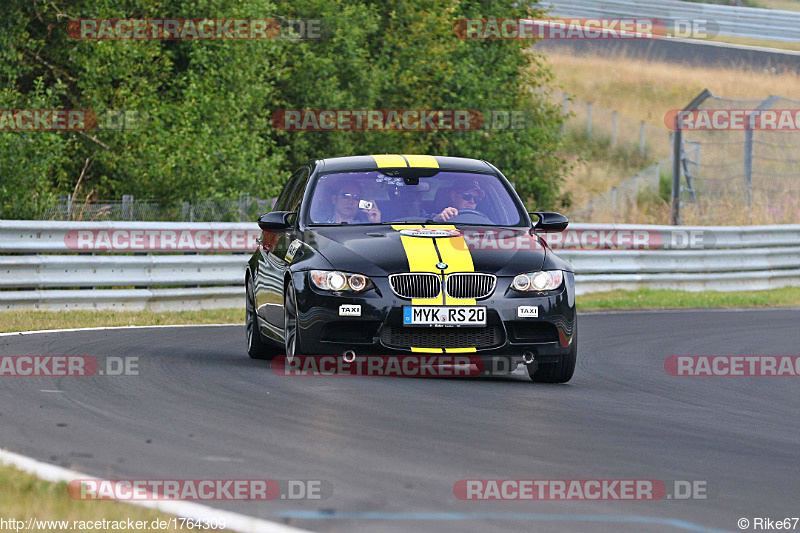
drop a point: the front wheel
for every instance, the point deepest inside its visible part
(291, 333)
(256, 347)
(559, 372)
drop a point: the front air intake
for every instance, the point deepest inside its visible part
(416, 285)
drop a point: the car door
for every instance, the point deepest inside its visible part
(274, 247)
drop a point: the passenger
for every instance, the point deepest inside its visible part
(345, 206)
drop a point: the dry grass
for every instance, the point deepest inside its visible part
(783, 5)
(595, 166)
(648, 89)
(645, 90)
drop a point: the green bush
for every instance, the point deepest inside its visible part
(207, 104)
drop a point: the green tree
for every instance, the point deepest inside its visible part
(205, 106)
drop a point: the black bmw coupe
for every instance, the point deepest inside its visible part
(406, 254)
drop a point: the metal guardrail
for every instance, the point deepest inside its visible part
(58, 265)
(749, 22)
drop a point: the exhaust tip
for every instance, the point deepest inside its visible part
(349, 356)
(527, 358)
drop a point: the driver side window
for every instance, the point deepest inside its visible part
(299, 190)
(292, 195)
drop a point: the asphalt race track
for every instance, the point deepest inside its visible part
(686, 51)
(392, 448)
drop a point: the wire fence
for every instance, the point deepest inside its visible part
(630, 199)
(744, 175)
(624, 184)
(241, 209)
(593, 121)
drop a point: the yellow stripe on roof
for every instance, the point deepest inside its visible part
(389, 161)
(422, 161)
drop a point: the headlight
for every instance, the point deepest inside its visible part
(544, 280)
(338, 281)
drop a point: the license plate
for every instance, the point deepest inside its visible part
(444, 316)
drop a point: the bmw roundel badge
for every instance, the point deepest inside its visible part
(441, 266)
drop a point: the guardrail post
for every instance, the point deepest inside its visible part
(676, 156)
(747, 175)
(244, 201)
(63, 208)
(641, 138)
(588, 119)
(676, 173)
(127, 206)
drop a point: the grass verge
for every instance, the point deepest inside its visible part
(667, 299)
(37, 320)
(638, 299)
(24, 496)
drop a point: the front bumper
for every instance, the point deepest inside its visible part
(379, 330)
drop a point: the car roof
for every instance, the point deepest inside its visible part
(380, 161)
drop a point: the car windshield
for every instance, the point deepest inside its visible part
(447, 197)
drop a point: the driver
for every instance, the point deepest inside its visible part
(409, 202)
(345, 202)
(465, 194)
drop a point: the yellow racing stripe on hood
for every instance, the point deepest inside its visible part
(422, 257)
(456, 254)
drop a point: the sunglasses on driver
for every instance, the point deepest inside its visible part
(470, 197)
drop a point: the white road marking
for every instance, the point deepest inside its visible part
(195, 511)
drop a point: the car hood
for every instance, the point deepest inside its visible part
(383, 250)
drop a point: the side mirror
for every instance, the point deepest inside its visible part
(549, 221)
(275, 220)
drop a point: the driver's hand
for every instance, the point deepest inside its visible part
(374, 214)
(447, 214)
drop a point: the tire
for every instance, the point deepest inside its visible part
(256, 347)
(558, 372)
(291, 333)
